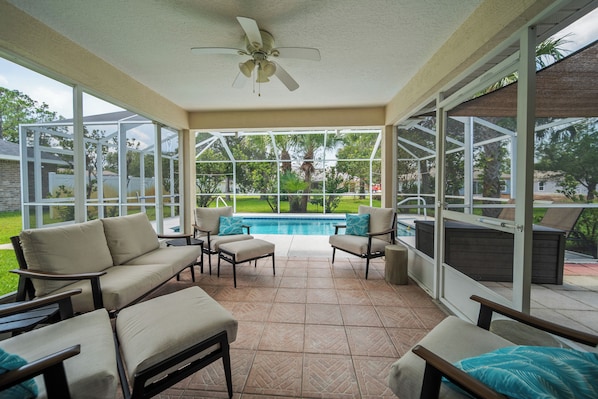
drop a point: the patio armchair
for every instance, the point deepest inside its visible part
(152, 346)
(208, 228)
(455, 345)
(369, 239)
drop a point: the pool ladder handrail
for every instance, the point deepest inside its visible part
(218, 199)
(420, 201)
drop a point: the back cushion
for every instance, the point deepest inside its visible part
(129, 237)
(380, 219)
(209, 218)
(77, 248)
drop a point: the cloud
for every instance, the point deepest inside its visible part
(582, 32)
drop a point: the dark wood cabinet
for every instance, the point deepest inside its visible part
(485, 254)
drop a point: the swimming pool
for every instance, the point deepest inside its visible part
(303, 225)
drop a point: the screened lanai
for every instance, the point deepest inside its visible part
(121, 174)
(307, 171)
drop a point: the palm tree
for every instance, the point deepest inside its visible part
(492, 156)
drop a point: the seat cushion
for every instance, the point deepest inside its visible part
(248, 249)
(215, 241)
(154, 330)
(381, 219)
(121, 285)
(76, 248)
(452, 339)
(129, 237)
(90, 374)
(177, 257)
(356, 244)
(208, 219)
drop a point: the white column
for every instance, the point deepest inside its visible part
(79, 155)
(526, 105)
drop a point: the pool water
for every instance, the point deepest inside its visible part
(303, 226)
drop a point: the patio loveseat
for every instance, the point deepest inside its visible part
(115, 262)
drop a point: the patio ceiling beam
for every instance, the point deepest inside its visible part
(421, 147)
(433, 133)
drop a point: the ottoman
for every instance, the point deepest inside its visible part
(245, 251)
(168, 338)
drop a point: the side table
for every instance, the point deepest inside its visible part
(26, 321)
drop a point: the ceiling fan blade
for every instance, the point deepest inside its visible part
(239, 81)
(304, 53)
(217, 50)
(251, 30)
(285, 78)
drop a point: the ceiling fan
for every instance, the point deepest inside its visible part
(259, 46)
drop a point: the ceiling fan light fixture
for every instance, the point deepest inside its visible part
(269, 68)
(247, 67)
(262, 77)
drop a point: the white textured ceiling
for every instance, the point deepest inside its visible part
(369, 49)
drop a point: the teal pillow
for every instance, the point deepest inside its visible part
(230, 225)
(536, 372)
(358, 225)
(26, 389)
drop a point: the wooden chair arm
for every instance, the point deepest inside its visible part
(488, 307)
(196, 227)
(63, 300)
(56, 276)
(437, 367)
(174, 236)
(339, 226)
(94, 280)
(51, 367)
(379, 233)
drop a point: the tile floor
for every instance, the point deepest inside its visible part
(314, 330)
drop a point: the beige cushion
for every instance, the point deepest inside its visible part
(120, 286)
(216, 241)
(248, 249)
(452, 339)
(177, 257)
(90, 374)
(356, 244)
(209, 218)
(152, 331)
(76, 248)
(129, 236)
(381, 219)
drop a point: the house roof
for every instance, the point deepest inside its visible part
(567, 88)
(9, 151)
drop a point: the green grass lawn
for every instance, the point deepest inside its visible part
(10, 225)
(8, 281)
(257, 205)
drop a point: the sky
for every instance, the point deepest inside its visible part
(59, 96)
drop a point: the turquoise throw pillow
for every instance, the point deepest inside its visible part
(358, 225)
(26, 389)
(536, 372)
(230, 225)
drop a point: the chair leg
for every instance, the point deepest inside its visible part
(333, 253)
(273, 267)
(235, 271)
(193, 272)
(367, 267)
(227, 367)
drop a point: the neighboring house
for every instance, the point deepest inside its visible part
(10, 177)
